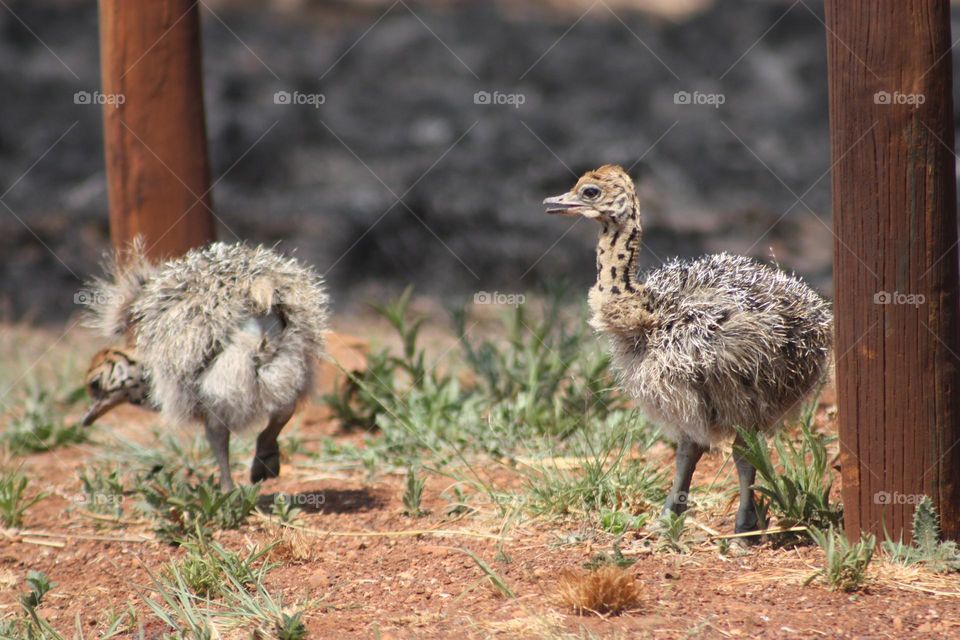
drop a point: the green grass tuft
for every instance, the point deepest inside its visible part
(102, 490)
(181, 508)
(845, 564)
(38, 425)
(798, 489)
(13, 497)
(206, 564)
(413, 495)
(671, 530)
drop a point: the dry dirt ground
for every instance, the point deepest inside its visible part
(374, 572)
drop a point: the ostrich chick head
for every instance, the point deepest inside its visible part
(606, 195)
(114, 377)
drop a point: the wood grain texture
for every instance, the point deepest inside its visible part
(895, 260)
(158, 174)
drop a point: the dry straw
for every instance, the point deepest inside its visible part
(608, 590)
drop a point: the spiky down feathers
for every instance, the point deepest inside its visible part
(228, 332)
(736, 344)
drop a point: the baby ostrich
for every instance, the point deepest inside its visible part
(225, 335)
(705, 346)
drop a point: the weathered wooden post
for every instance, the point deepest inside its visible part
(895, 261)
(158, 175)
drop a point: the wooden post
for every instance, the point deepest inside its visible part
(158, 175)
(895, 261)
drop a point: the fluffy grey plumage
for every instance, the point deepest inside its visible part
(109, 299)
(705, 346)
(229, 330)
(226, 334)
(736, 344)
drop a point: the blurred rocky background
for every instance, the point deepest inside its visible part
(442, 127)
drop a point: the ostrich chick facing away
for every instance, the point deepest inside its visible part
(226, 335)
(705, 346)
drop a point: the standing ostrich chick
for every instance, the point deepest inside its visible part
(226, 334)
(705, 346)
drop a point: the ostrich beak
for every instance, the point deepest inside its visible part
(563, 205)
(99, 407)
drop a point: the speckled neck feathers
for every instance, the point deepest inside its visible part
(618, 300)
(617, 251)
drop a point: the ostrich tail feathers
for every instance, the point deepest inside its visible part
(110, 299)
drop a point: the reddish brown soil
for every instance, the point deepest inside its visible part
(398, 585)
(424, 586)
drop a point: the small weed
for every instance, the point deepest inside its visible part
(181, 508)
(413, 495)
(607, 590)
(120, 622)
(723, 546)
(13, 500)
(846, 564)
(799, 492)
(618, 522)
(458, 503)
(206, 564)
(670, 530)
(40, 585)
(33, 626)
(615, 558)
(283, 509)
(927, 548)
(102, 491)
(290, 627)
(179, 608)
(38, 425)
(499, 584)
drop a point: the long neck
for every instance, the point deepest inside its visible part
(617, 252)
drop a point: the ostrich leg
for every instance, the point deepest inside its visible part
(688, 455)
(266, 461)
(219, 438)
(747, 513)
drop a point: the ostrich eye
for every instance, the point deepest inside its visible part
(94, 387)
(590, 193)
